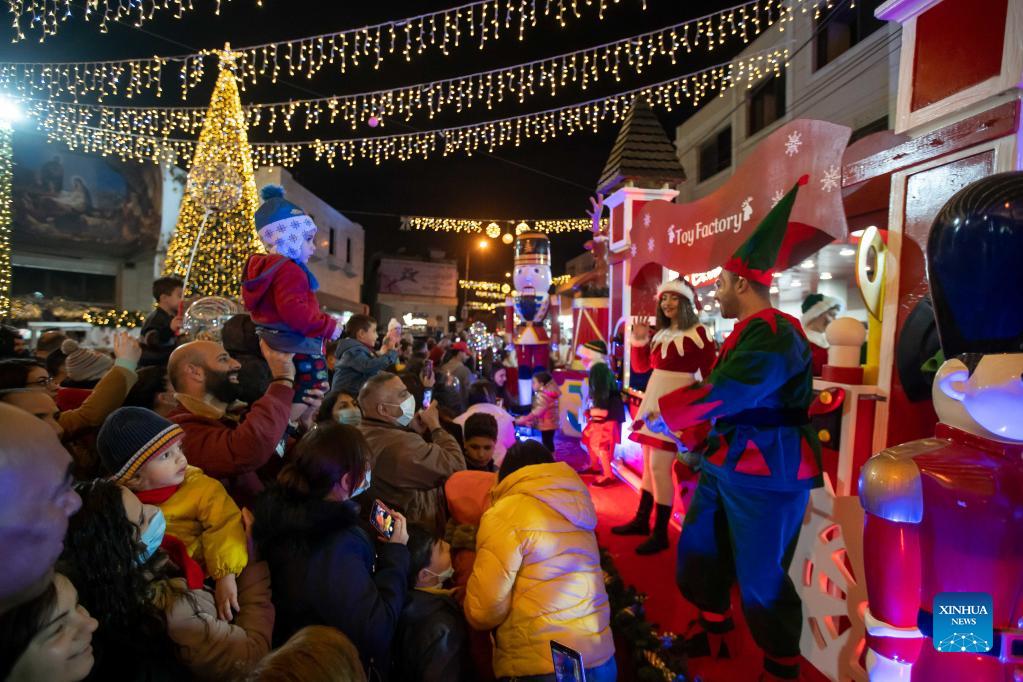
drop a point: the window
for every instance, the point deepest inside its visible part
(767, 103)
(348, 250)
(877, 126)
(841, 27)
(716, 154)
(74, 286)
(332, 252)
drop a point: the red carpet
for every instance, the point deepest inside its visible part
(655, 575)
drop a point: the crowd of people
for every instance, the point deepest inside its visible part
(180, 510)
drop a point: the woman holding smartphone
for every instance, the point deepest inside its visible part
(321, 558)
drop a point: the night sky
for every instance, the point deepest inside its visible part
(551, 180)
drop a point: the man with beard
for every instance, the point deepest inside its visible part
(222, 444)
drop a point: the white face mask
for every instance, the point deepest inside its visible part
(350, 416)
(408, 410)
(443, 576)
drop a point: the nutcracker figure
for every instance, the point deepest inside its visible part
(532, 278)
(943, 514)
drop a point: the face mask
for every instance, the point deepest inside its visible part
(444, 575)
(153, 536)
(365, 485)
(408, 410)
(350, 416)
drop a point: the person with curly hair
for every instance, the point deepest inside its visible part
(156, 621)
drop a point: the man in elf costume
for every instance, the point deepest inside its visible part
(818, 312)
(758, 463)
(603, 408)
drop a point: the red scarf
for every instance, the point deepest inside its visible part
(174, 547)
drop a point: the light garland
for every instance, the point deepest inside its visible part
(490, 294)
(6, 177)
(230, 233)
(30, 308)
(483, 226)
(478, 22)
(479, 305)
(519, 82)
(468, 139)
(47, 15)
(560, 279)
(114, 318)
(480, 286)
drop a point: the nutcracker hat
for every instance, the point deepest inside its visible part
(593, 350)
(816, 305)
(679, 287)
(757, 257)
(282, 226)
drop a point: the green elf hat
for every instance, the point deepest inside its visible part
(757, 257)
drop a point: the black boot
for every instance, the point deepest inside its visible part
(658, 540)
(640, 524)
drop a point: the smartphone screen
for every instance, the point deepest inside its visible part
(382, 519)
(568, 663)
(428, 370)
(427, 397)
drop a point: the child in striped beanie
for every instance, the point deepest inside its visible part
(142, 451)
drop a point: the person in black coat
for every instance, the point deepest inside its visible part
(432, 641)
(321, 558)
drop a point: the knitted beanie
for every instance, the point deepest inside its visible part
(83, 364)
(594, 349)
(282, 226)
(130, 437)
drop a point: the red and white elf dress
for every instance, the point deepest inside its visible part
(679, 358)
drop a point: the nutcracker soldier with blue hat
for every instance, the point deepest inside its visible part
(278, 290)
(758, 463)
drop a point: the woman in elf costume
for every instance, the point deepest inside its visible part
(680, 353)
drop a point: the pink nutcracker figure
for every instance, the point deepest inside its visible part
(944, 516)
(532, 278)
(278, 290)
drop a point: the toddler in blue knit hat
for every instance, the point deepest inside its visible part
(278, 290)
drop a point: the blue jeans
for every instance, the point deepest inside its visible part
(605, 672)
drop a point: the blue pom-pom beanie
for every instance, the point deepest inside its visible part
(276, 222)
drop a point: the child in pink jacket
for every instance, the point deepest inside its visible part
(544, 415)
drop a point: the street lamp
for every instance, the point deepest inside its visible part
(9, 113)
(482, 245)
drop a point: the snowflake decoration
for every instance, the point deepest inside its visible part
(776, 197)
(650, 244)
(968, 642)
(793, 143)
(831, 179)
(646, 220)
(633, 250)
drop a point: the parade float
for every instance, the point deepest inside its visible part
(957, 121)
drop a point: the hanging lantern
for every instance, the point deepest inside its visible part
(521, 228)
(493, 230)
(507, 238)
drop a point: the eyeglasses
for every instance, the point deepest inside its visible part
(45, 381)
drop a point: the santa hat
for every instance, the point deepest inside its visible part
(679, 287)
(594, 350)
(757, 257)
(816, 305)
(282, 226)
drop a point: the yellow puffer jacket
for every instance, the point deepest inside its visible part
(203, 516)
(537, 575)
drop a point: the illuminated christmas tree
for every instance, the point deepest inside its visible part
(221, 192)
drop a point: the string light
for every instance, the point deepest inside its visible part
(519, 83)
(47, 15)
(490, 294)
(114, 318)
(560, 279)
(468, 139)
(230, 235)
(470, 226)
(480, 305)
(478, 285)
(480, 22)
(6, 168)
